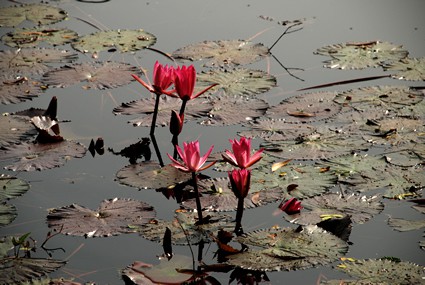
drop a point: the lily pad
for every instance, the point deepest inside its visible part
(289, 249)
(19, 90)
(113, 217)
(361, 55)
(409, 69)
(223, 114)
(403, 225)
(32, 37)
(27, 61)
(37, 13)
(121, 40)
(194, 109)
(150, 175)
(370, 270)
(7, 214)
(14, 129)
(12, 187)
(18, 270)
(96, 75)
(240, 81)
(223, 52)
(36, 156)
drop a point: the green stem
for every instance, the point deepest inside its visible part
(198, 201)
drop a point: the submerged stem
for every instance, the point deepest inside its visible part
(198, 201)
(158, 153)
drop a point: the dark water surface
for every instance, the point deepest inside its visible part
(88, 181)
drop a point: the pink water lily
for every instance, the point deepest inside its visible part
(191, 158)
(241, 156)
(292, 206)
(184, 83)
(162, 79)
(240, 180)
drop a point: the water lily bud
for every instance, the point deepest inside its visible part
(176, 123)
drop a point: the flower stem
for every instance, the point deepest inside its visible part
(175, 140)
(155, 114)
(198, 201)
(239, 213)
(158, 153)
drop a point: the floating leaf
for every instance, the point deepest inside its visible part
(276, 130)
(31, 60)
(12, 187)
(19, 90)
(361, 55)
(409, 69)
(289, 249)
(121, 40)
(403, 225)
(7, 214)
(223, 110)
(371, 271)
(38, 13)
(36, 156)
(14, 129)
(240, 81)
(149, 175)
(222, 52)
(113, 217)
(194, 109)
(18, 270)
(97, 75)
(407, 158)
(329, 205)
(32, 37)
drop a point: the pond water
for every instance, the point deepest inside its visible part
(89, 180)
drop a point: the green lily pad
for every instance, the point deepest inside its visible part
(408, 69)
(361, 55)
(371, 270)
(403, 225)
(289, 249)
(19, 90)
(223, 52)
(6, 245)
(7, 214)
(37, 13)
(239, 81)
(113, 217)
(12, 187)
(121, 40)
(14, 129)
(32, 37)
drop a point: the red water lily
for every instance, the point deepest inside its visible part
(162, 79)
(176, 123)
(241, 156)
(184, 83)
(191, 158)
(240, 179)
(292, 206)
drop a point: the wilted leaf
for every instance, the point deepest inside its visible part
(12, 187)
(96, 75)
(32, 37)
(361, 55)
(403, 225)
(113, 217)
(39, 14)
(18, 270)
(371, 270)
(121, 40)
(222, 52)
(409, 69)
(14, 129)
(18, 90)
(31, 60)
(7, 214)
(289, 249)
(36, 156)
(239, 81)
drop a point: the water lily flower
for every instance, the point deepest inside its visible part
(184, 83)
(241, 156)
(292, 206)
(191, 158)
(240, 179)
(162, 79)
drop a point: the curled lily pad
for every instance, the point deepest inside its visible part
(239, 81)
(113, 217)
(408, 69)
(12, 187)
(96, 75)
(223, 52)
(361, 55)
(18, 90)
(38, 13)
(31, 60)
(14, 129)
(289, 249)
(223, 112)
(7, 214)
(32, 37)
(19, 270)
(370, 270)
(121, 40)
(37, 156)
